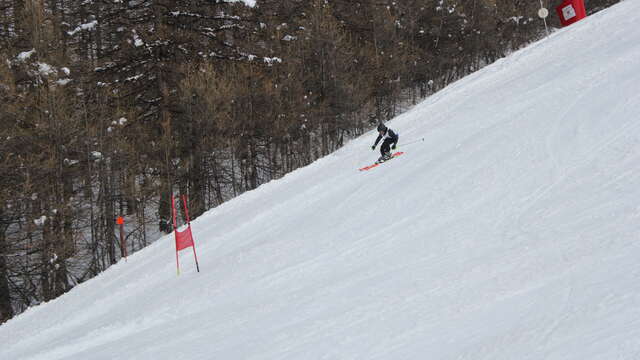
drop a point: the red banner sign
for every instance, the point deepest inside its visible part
(571, 11)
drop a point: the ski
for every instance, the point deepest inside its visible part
(380, 162)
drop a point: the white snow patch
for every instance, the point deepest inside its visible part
(25, 55)
(46, 69)
(96, 155)
(250, 3)
(137, 42)
(272, 60)
(88, 26)
(40, 221)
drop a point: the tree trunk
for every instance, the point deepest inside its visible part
(6, 310)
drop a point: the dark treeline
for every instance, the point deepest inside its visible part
(109, 107)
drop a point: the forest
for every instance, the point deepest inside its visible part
(109, 107)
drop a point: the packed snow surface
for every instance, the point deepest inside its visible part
(511, 232)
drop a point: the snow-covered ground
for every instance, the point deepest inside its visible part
(511, 232)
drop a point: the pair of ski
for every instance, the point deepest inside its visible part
(380, 162)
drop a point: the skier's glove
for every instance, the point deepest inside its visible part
(393, 147)
(373, 147)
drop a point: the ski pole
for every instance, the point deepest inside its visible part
(413, 142)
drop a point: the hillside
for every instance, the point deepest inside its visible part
(510, 232)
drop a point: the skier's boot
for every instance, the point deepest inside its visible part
(384, 158)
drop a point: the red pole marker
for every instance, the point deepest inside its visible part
(193, 245)
(123, 244)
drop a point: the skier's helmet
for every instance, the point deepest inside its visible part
(381, 127)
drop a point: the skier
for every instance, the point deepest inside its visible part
(390, 140)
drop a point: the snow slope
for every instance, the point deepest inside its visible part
(511, 232)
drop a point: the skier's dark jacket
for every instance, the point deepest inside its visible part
(389, 134)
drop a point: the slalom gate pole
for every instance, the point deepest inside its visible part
(186, 210)
(193, 245)
(195, 256)
(123, 243)
(175, 231)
